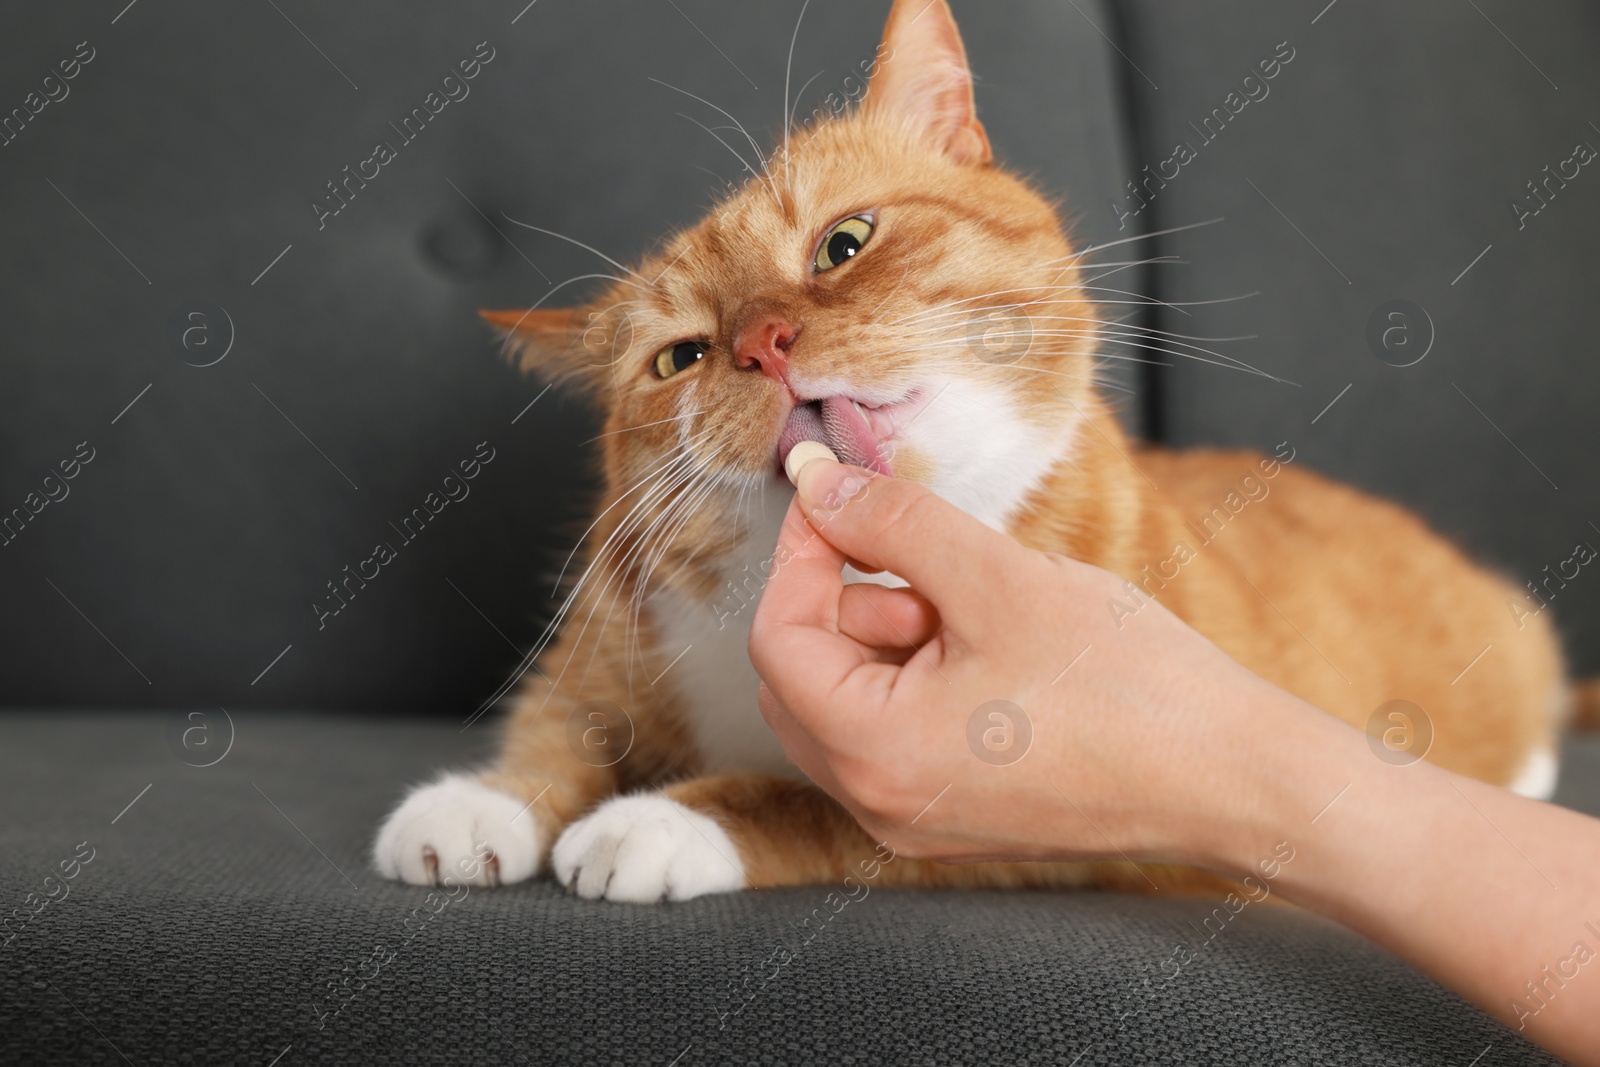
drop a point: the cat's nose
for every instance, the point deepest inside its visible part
(765, 343)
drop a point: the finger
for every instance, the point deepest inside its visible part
(965, 568)
(795, 642)
(886, 618)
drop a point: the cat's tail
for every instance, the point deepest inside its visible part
(1585, 714)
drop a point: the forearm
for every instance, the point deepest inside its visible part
(1495, 896)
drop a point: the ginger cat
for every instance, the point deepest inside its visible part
(880, 285)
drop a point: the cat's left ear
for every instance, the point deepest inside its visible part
(543, 340)
(922, 78)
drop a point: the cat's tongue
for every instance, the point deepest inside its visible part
(839, 423)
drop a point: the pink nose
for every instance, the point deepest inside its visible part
(766, 343)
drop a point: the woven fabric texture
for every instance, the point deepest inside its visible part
(230, 915)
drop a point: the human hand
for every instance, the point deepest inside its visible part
(1106, 741)
(1147, 743)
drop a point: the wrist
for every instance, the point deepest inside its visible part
(1278, 764)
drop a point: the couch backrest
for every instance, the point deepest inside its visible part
(176, 198)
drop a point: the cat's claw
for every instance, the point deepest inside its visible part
(458, 831)
(643, 849)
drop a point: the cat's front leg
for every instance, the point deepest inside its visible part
(495, 827)
(459, 829)
(708, 835)
(750, 831)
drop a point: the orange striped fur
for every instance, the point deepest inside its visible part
(1343, 599)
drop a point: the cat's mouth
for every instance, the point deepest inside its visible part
(857, 433)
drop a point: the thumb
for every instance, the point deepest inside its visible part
(795, 642)
(965, 568)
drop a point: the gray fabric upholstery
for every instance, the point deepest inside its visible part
(216, 910)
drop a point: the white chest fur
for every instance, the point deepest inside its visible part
(714, 683)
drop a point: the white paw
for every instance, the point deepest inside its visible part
(458, 831)
(640, 849)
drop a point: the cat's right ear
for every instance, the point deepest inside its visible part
(546, 341)
(923, 79)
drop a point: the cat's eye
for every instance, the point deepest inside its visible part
(678, 357)
(843, 241)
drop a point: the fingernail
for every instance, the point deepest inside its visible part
(821, 479)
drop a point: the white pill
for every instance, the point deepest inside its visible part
(801, 454)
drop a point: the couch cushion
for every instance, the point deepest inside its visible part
(220, 908)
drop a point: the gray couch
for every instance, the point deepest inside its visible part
(226, 467)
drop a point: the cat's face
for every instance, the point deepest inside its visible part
(880, 286)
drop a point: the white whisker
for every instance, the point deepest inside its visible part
(788, 119)
(645, 425)
(742, 161)
(580, 244)
(740, 127)
(1047, 370)
(1145, 237)
(674, 457)
(802, 93)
